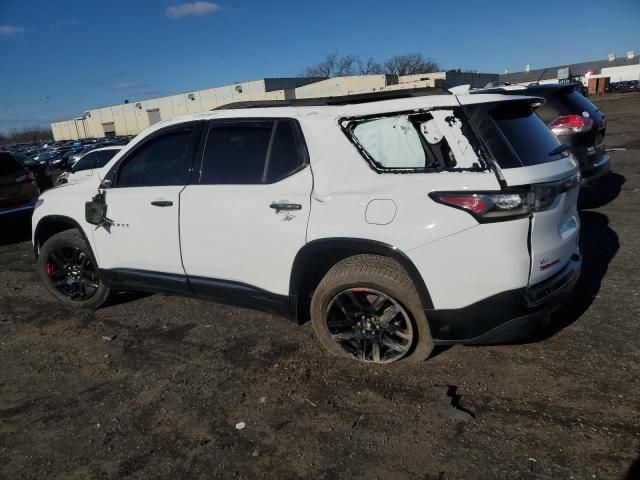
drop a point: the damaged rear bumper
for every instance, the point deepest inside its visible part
(507, 316)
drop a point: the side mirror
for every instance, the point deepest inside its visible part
(95, 211)
(105, 184)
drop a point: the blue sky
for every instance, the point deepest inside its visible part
(58, 58)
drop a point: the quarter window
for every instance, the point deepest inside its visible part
(160, 161)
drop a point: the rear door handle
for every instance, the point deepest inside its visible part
(279, 206)
(162, 203)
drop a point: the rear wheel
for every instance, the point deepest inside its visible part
(69, 271)
(367, 308)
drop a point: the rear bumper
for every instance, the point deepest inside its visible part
(595, 172)
(507, 316)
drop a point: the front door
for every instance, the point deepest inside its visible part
(245, 217)
(143, 205)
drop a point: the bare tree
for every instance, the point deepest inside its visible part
(410, 64)
(369, 67)
(27, 134)
(332, 66)
(339, 66)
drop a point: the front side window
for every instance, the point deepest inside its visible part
(162, 160)
(249, 152)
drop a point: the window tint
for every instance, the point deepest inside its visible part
(160, 161)
(250, 152)
(104, 157)
(87, 162)
(572, 102)
(8, 166)
(284, 157)
(527, 135)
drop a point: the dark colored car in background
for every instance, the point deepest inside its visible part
(625, 86)
(39, 168)
(18, 188)
(574, 119)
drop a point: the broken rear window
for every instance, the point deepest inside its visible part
(428, 141)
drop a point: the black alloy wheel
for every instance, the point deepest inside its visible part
(370, 325)
(72, 273)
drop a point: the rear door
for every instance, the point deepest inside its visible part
(244, 216)
(528, 157)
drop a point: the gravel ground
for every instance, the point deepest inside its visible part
(158, 386)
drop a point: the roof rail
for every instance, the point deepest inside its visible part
(340, 100)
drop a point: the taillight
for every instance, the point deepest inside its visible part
(507, 204)
(488, 207)
(571, 124)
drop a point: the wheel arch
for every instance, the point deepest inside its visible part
(317, 257)
(50, 225)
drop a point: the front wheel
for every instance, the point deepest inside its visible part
(69, 271)
(367, 308)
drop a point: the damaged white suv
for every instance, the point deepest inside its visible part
(393, 222)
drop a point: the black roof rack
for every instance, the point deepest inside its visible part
(341, 100)
(530, 86)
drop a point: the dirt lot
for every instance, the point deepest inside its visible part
(153, 386)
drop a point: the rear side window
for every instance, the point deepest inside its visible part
(9, 166)
(572, 102)
(249, 152)
(528, 136)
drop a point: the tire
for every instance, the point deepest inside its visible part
(350, 284)
(73, 281)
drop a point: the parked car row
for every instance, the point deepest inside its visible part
(394, 221)
(29, 166)
(47, 161)
(624, 86)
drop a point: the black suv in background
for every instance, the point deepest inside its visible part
(573, 118)
(18, 188)
(39, 168)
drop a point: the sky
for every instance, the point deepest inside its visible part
(60, 58)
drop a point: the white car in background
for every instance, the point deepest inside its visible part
(87, 164)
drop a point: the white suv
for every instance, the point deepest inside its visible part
(88, 164)
(394, 224)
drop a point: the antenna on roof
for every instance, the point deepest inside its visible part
(537, 82)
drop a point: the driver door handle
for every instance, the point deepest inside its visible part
(162, 203)
(279, 206)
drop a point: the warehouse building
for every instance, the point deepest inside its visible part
(616, 68)
(131, 117)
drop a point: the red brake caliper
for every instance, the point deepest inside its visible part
(49, 268)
